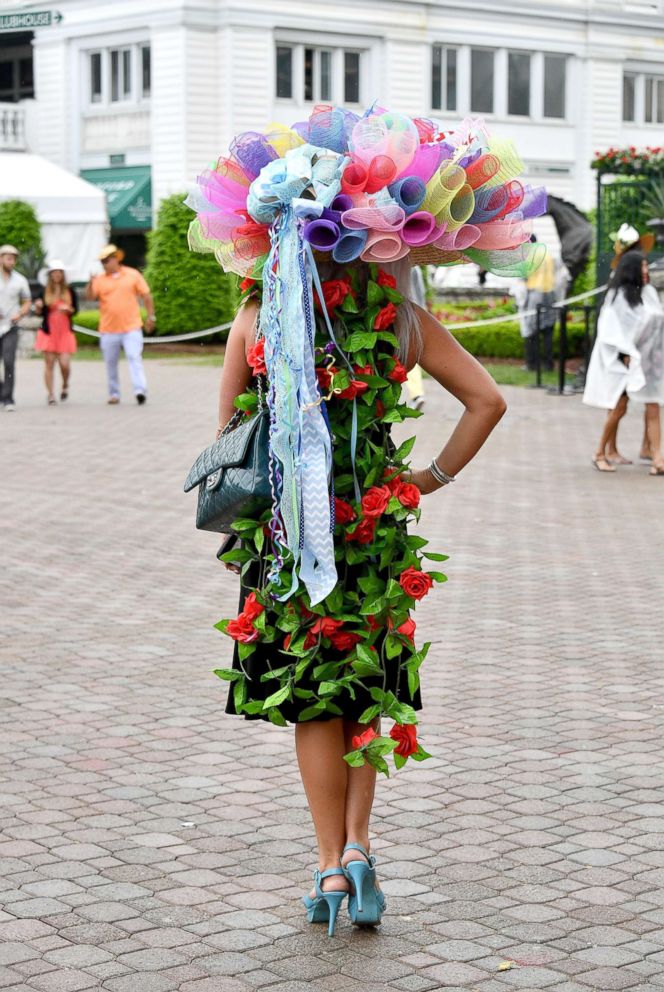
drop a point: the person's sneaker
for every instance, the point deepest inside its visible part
(10, 407)
(141, 398)
(113, 400)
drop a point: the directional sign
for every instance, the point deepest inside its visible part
(29, 20)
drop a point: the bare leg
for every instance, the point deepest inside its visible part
(359, 794)
(49, 364)
(645, 452)
(610, 431)
(65, 370)
(611, 449)
(320, 747)
(654, 429)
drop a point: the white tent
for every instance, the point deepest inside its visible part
(72, 211)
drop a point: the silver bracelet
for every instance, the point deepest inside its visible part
(439, 475)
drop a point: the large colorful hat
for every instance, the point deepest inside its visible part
(377, 188)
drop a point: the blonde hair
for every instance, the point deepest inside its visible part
(57, 291)
(408, 329)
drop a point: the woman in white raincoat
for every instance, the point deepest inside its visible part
(628, 358)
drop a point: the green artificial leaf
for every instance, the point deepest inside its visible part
(239, 694)
(259, 623)
(431, 555)
(382, 745)
(371, 583)
(246, 401)
(437, 576)
(334, 601)
(303, 693)
(399, 761)
(331, 707)
(413, 683)
(364, 668)
(369, 714)
(376, 604)
(394, 416)
(237, 556)
(253, 706)
(355, 759)
(390, 338)
(393, 646)
(378, 763)
(393, 295)
(370, 319)
(259, 538)
(403, 713)
(393, 590)
(278, 697)
(374, 293)
(245, 650)
(222, 625)
(349, 305)
(311, 712)
(328, 689)
(242, 526)
(276, 718)
(420, 754)
(415, 542)
(228, 674)
(359, 340)
(404, 450)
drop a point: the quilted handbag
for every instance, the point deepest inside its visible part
(233, 474)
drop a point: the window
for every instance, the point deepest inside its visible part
(444, 78)
(95, 77)
(351, 77)
(120, 75)
(518, 84)
(146, 72)
(284, 72)
(629, 97)
(654, 100)
(326, 75)
(555, 86)
(16, 72)
(481, 80)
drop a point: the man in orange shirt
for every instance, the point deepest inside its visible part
(120, 290)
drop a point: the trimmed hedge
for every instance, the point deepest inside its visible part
(505, 341)
(190, 291)
(20, 227)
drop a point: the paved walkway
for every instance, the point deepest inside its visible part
(151, 844)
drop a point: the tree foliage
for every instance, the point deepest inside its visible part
(190, 291)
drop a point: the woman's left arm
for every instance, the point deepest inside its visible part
(236, 373)
(463, 376)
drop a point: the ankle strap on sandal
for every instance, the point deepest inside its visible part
(327, 873)
(360, 848)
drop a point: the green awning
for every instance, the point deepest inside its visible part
(128, 194)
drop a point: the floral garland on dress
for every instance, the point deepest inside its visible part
(370, 535)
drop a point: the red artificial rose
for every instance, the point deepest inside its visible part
(407, 493)
(363, 739)
(345, 640)
(242, 629)
(252, 608)
(363, 369)
(343, 511)
(406, 736)
(256, 357)
(310, 640)
(326, 626)
(393, 483)
(287, 640)
(380, 409)
(399, 373)
(356, 388)
(415, 583)
(384, 279)
(375, 500)
(247, 284)
(324, 375)
(407, 628)
(373, 624)
(385, 317)
(364, 532)
(335, 292)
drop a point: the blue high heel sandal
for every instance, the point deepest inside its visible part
(325, 907)
(366, 903)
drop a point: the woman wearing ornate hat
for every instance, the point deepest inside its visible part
(324, 220)
(55, 337)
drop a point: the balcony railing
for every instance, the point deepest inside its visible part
(12, 127)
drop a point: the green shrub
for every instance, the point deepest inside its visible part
(505, 341)
(190, 291)
(20, 227)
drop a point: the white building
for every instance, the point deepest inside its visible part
(139, 96)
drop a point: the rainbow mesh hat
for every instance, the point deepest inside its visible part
(377, 187)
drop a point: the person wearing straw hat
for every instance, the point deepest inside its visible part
(120, 289)
(15, 302)
(55, 338)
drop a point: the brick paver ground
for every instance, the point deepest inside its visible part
(151, 844)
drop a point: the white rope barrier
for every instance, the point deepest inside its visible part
(504, 319)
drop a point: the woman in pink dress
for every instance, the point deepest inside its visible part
(55, 337)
